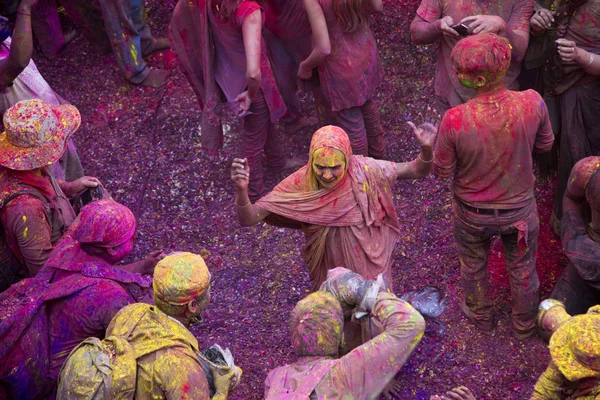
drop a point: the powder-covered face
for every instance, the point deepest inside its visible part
(329, 166)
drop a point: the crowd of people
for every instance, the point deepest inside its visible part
(77, 323)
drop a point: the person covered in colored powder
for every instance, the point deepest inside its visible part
(21, 80)
(487, 143)
(73, 297)
(436, 20)
(289, 41)
(316, 327)
(574, 369)
(571, 80)
(349, 68)
(220, 47)
(34, 207)
(342, 202)
(164, 350)
(579, 285)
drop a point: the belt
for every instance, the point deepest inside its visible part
(487, 211)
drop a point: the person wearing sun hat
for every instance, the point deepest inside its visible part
(21, 80)
(160, 339)
(574, 369)
(34, 207)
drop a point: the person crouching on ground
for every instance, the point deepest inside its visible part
(73, 297)
(579, 285)
(488, 143)
(164, 349)
(316, 329)
(34, 207)
(574, 369)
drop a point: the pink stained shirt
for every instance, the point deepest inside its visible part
(487, 142)
(516, 13)
(352, 71)
(365, 371)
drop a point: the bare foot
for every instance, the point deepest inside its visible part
(295, 162)
(156, 78)
(392, 389)
(158, 45)
(299, 125)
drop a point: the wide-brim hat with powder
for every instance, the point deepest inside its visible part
(575, 347)
(180, 278)
(36, 133)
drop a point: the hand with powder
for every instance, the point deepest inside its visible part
(240, 173)
(444, 26)
(458, 393)
(484, 24)
(541, 20)
(245, 102)
(75, 188)
(425, 133)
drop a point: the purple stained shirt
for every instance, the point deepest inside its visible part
(352, 71)
(83, 315)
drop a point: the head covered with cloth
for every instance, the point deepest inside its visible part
(103, 230)
(182, 287)
(343, 202)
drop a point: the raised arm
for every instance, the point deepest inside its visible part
(21, 46)
(320, 35)
(252, 33)
(248, 213)
(421, 166)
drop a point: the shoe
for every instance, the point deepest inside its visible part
(523, 335)
(485, 325)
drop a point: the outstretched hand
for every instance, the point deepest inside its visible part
(240, 173)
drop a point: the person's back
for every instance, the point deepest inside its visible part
(491, 139)
(82, 315)
(316, 334)
(171, 370)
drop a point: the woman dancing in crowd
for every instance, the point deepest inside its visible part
(345, 53)
(220, 47)
(342, 202)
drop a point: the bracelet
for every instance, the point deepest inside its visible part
(592, 56)
(23, 13)
(423, 161)
(244, 206)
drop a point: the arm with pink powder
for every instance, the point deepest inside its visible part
(544, 137)
(430, 23)
(21, 45)
(445, 159)
(366, 370)
(27, 228)
(252, 34)
(321, 42)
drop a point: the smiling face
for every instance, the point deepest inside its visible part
(329, 166)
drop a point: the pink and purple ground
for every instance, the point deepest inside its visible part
(144, 145)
